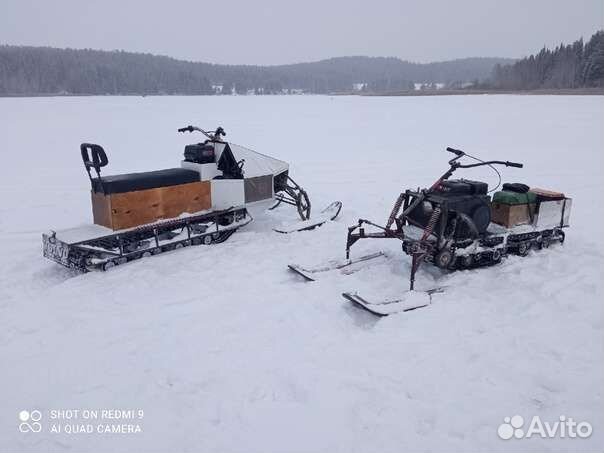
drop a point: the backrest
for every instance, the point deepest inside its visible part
(95, 159)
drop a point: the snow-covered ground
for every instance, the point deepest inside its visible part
(224, 350)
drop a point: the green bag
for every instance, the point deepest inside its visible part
(512, 198)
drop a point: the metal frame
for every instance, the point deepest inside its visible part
(291, 193)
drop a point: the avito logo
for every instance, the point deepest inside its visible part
(563, 427)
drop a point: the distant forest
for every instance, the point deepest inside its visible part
(43, 70)
(46, 71)
(574, 65)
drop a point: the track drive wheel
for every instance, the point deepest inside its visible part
(443, 258)
(466, 261)
(523, 248)
(109, 265)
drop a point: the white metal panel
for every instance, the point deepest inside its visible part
(550, 214)
(83, 233)
(227, 193)
(257, 164)
(568, 204)
(206, 171)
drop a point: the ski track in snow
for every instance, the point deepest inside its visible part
(225, 350)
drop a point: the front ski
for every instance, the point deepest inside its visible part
(420, 299)
(309, 273)
(328, 214)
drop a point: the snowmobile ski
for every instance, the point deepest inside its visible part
(309, 273)
(328, 214)
(420, 299)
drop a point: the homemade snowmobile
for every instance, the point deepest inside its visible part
(455, 225)
(217, 188)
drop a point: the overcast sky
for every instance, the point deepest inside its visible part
(275, 32)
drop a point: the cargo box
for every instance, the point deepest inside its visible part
(129, 209)
(547, 195)
(510, 215)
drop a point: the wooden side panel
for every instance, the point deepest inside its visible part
(511, 215)
(135, 208)
(192, 197)
(130, 209)
(101, 209)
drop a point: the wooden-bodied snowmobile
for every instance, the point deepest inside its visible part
(456, 225)
(216, 190)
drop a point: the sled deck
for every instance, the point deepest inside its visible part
(95, 247)
(311, 273)
(328, 214)
(412, 301)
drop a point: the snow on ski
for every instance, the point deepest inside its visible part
(308, 273)
(412, 301)
(330, 213)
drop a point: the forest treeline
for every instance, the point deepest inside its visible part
(26, 70)
(42, 70)
(575, 65)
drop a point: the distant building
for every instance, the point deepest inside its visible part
(428, 86)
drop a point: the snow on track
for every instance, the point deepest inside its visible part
(225, 350)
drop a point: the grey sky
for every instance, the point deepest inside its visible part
(274, 32)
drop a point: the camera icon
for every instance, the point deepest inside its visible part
(30, 421)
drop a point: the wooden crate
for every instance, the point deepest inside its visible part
(509, 215)
(126, 210)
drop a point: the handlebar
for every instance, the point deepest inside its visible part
(490, 162)
(210, 135)
(454, 164)
(457, 152)
(513, 164)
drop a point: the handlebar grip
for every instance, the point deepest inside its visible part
(457, 152)
(185, 129)
(513, 164)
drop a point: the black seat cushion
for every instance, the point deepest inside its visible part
(141, 181)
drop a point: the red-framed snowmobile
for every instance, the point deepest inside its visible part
(216, 190)
(454, 224)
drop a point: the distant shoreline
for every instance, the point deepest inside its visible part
(442, 92)
(445, 92)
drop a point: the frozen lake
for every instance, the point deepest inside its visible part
(224, 350)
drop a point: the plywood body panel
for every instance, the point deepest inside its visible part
(130, 209)
(101, 209)
(510, 215)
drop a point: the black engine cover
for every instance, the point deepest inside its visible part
(200, 153)
(463, 187)
(477, 207)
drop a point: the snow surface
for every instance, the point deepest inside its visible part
(225, 350)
